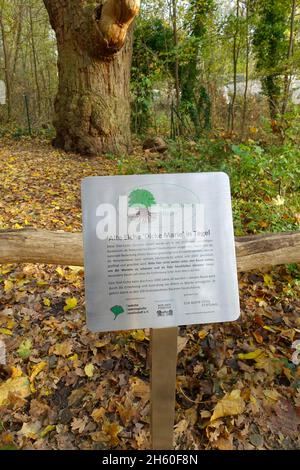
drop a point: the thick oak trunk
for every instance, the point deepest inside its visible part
(92, 111)
(92, 107)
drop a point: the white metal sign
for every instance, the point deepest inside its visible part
(159, 251)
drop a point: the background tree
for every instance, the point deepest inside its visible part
(195, 98)
(270, 46)
(214, 49)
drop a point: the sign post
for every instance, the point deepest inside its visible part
(159, 253)
(163, 356)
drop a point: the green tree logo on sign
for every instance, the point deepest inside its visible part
(117, 310)
(143, 199)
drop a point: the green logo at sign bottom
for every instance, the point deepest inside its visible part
(117, 310)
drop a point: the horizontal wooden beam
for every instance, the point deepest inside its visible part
(261, 251)
(63, 248)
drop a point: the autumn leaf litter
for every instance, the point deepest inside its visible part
(66, 388)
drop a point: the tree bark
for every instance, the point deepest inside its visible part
(92, 107)
(248, 43)
(288, 74)
(235, 59)
(18, 37)
(6, 66)
(35, 66)
(175, 39)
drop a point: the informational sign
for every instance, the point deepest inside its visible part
(159, 251)
(2, 92)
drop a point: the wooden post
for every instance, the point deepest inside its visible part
(163, 352)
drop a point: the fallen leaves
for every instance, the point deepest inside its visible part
(77, 404)
(30, 430)
(47, 302)
(89, 370)
(78, 424)
(251, 355)
(139, 335)
(47, 430)
(71, 302)
(272, 394)
(140, 389)
(19, 386)
(98, 414)
(231, 404)
(62, 349)
(35, 371)
(112, 430)
(24, 350)
(8, 285)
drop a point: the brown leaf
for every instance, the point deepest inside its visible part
(223, 443)
(112, 430)
(62, 349)
(140, 389)
(98, 414)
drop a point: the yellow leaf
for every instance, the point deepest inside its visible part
(18, 386)
(41, 283)
(102, 343)
(272, 394)
(47, 429)
(231, 404)
(71, 302)
(268, 280)
(73, 358)
(89, 370)
(47, 302)
(268, 328)
(76, 269)
(202, 334)
(37, 369)
(5, 331)
(250, 355)
(60, 271)
(10, 324)
(16, 372)
(261, 302)
(8, 285)
(138, 335)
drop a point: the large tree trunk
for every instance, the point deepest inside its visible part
(92, 107)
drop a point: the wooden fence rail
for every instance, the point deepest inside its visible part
(29, 246)
(62, 248)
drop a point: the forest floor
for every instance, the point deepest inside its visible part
(67, 388)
